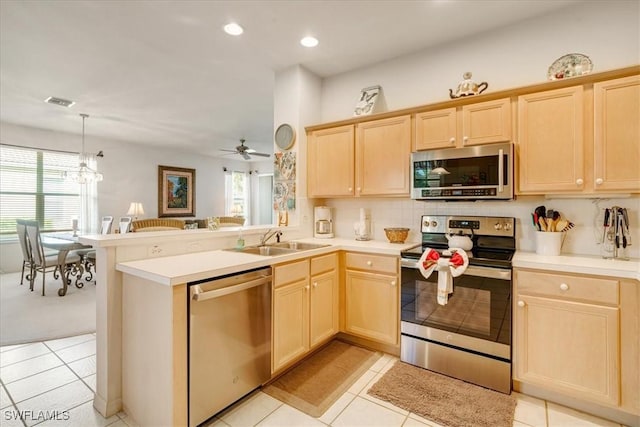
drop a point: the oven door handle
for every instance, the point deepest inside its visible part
(472, 270)
(501, 171)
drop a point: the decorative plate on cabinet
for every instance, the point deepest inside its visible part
(570, 65)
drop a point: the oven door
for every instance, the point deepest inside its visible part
(477, 317)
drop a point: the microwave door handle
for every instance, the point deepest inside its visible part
(500, 171)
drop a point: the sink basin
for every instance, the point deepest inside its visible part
(264, 250)
(298, 246)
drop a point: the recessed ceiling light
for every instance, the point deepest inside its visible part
(309, 41)
(233, 29)
(59, 101)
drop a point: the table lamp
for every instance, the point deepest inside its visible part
(135, 209)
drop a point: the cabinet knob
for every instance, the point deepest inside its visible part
(306, 288)
(599, 181)
(358, 189)
(350, 189)
(464, 140)
(315, 284)
(369, 263)
(521, 304)
(393, 283)
(564, 287)
(452, 140)
(579, 181)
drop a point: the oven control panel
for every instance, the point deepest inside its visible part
(476, 225)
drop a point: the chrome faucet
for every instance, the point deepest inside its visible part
(269, 234)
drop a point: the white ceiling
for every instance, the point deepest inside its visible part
(164, 73)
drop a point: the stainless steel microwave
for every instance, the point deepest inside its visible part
(482, 172)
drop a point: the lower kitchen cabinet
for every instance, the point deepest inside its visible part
(372, 297)
(569, 338)
(305, 307)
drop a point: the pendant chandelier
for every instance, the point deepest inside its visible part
(84, 173)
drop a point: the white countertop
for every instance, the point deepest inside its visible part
(195, 266)
(584, 264)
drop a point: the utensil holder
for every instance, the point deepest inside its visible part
(549, 243)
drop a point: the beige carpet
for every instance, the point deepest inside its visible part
(28, 316)
(445, 400)
(317, 382)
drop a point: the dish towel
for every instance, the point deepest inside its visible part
(452, 263)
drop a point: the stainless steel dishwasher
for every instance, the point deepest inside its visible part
(229, 340)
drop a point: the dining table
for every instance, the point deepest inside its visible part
(64, 243)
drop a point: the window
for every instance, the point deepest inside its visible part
(237, 194)
(32, 187)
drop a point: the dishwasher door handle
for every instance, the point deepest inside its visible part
(199, 295)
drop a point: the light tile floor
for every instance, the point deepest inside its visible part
(52, 383)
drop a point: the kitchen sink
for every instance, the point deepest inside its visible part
(280, 248)
(298, 246)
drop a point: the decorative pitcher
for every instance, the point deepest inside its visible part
(467, 87)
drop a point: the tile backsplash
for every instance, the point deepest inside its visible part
(583, 239)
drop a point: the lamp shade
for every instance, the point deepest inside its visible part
(135, 209)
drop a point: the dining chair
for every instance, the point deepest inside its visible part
(89, 255)
(21, 230)
(41, 262)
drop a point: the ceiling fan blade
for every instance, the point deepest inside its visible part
(230, 151)
(250, 150)
(246, 156)
(261, 154)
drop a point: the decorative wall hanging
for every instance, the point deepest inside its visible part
(368, 102)
(285, 136)
(285, 166)
(176, 191)
(467, 87)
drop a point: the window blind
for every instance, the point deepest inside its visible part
(32, 187)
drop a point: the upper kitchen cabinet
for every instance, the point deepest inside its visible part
(550, 139)
(368, 159)
(383, 151)
(472, 124)
(331, 162)
(617, 134)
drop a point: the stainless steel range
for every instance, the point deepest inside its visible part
(469, 338)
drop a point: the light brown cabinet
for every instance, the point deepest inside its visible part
(617, 135)
(372, 297)
(305, 307)
(566, 337)
(367, 159)
(473, 124)
(551, 141)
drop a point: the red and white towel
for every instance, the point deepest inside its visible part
(452, 263)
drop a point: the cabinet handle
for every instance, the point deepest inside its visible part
(369, 263)
(315, 284)
(521, 304)
(564, 287)
(464, 140)
(452, 140)
(393, 283)
(599, 181)
(579, 181)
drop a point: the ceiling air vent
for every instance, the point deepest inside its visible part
(59, 101)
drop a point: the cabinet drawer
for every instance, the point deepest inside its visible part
(567, 286)
(287, 273)
(323, 263)
(369, 262)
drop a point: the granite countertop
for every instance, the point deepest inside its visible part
(173, 270)
(583, 264)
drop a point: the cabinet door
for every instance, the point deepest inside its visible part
(383, 157)
(435, 129)
(331, 162)
(323, 311)
(550, 133)
(372, 306)
(617, 134)
(290, 323)
(568, 347)
(486, 122)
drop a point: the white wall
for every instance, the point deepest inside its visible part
(519, 55)
(130, 174)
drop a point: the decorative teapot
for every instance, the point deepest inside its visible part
(466, 87)
(459, 241)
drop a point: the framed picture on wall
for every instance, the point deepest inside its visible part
(176, 191)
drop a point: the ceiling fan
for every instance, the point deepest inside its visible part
(244, 151)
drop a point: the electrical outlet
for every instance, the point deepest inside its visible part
(155, 250)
